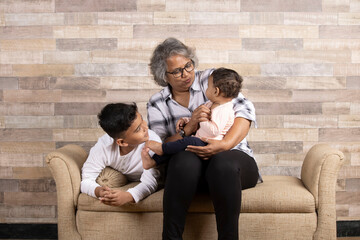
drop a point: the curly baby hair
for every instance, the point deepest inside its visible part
(228, 81)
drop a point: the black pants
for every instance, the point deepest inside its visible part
(225, 175)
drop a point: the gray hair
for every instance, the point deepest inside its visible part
(166, 49)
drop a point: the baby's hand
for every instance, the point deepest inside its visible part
(180, 124)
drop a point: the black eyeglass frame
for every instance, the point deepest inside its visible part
(184, 68)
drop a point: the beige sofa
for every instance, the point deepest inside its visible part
(282, 207)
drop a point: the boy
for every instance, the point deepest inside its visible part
(122, 149)
(223, 85)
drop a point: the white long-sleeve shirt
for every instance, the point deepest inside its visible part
(107, 153)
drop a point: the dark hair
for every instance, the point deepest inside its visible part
(228, 81)
(116, 118)
(166, 49)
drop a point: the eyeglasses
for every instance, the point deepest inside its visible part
(178, 72)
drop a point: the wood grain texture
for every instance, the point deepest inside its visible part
(280, 6)
(94, 6)
(62, 61)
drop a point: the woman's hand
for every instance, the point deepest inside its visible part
(200, 114)
(234, 136)
(213, 147)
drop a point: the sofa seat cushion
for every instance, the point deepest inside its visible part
(277, 194)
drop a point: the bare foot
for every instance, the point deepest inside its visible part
(147, 161)
(156, 147)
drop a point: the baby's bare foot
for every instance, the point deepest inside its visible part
(147, 161)
(156, 147)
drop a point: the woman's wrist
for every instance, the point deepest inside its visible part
(224, 145)
(188, 129)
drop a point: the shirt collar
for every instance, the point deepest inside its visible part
(196, 84)
(166, 92)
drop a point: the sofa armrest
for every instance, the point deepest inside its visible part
(65, 165)
(319, 175)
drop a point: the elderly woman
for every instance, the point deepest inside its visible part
(223, 168)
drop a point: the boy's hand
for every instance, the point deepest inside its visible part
(101, 191)
(116, 197)
(147, 161)
(154, 146)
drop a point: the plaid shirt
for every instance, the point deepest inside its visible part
(163, 111)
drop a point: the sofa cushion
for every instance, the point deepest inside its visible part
(277, 194)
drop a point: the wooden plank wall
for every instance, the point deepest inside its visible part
(61, 61)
